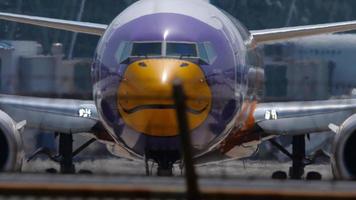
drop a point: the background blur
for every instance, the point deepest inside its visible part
(57, 62)
(255, 14)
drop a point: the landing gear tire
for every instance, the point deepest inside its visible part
(279, 175)
(313, 176)
(51, 171)
(84, 171)
(164, 159)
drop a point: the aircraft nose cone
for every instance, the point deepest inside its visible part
(145, 95)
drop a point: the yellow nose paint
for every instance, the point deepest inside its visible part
(145, 100)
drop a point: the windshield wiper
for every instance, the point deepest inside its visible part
(185, 55)
(140, 55)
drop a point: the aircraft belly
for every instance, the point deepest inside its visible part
(237, 152)
(119, 151)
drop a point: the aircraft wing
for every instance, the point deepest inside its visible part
(75, 26)
(259, 36)
(285, 118)
(270, 35)
(293, 118)
(58, 115)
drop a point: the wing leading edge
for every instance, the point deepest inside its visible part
(259, 36)
(58, 115)
(270, 35)
(75, 26)
(293, 118)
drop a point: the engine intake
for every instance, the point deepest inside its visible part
(344, 150)
(11, 153)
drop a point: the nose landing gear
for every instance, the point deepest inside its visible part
(165, 160)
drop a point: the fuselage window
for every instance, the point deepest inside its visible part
(181, 50)
(147, 49)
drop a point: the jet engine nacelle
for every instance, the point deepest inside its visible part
(10, 143)
(344, 150)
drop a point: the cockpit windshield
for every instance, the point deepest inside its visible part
(200, 52)
(164, 49)
(146, 49)
(181, 49)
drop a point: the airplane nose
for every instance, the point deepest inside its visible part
(145, 95)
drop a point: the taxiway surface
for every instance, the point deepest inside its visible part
(232, 169)
(123, 179)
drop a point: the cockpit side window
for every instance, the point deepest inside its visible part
(181, 49)
(147, 49)
(207, 52)
(123, 52)
(202, 52)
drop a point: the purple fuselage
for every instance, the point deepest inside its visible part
(226, 77)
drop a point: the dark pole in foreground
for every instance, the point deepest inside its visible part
(297, 169)
(190, 175)
(66, 152)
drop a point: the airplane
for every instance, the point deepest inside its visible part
(140, 54)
